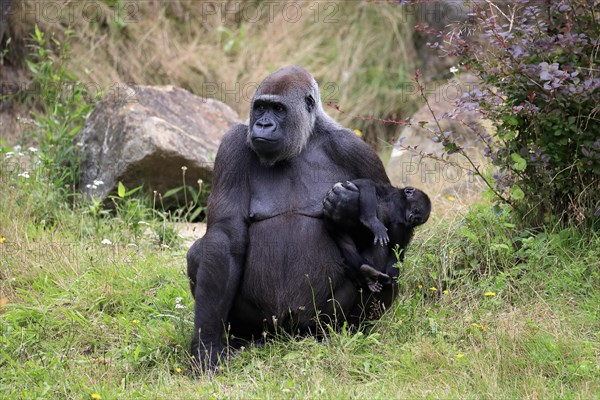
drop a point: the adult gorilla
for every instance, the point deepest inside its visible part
(267, 260)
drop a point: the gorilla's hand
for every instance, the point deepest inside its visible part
(341, 204)
(381, 236)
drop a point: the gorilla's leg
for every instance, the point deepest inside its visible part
(214, 268)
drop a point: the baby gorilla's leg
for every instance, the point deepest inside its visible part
(374, 278)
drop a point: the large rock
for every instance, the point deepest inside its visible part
(438, 178)
(144, 136)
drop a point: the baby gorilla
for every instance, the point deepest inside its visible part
(388, 216)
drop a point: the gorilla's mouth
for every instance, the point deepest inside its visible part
(263, 140)
(264, 145)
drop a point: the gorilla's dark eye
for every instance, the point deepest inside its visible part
(279, 108)
(260, 107)
(310, 102)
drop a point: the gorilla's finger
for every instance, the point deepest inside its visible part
(350, 186)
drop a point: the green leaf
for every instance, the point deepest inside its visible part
(465, 232)
(172, 192)
(132, 191)
(517, 193)
(520, 163)
(195, 214)
(511, 120)
(121, 190)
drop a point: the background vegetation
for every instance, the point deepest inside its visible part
(224, 49)
(94, 301)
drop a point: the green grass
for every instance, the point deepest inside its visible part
(79, 317)
(91, 297)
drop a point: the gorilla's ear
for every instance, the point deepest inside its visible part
(310, 103)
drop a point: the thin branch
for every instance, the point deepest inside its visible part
(459, 149)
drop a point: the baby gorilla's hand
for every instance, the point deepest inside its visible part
(341, 203)
(381, 236)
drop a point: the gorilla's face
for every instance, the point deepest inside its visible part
(267, 128)
(418, 206)
(280, 125)
(282, 115)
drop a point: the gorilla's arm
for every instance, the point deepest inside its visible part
(346, 206)
(369, 210)
(342, 202)
(215, 262)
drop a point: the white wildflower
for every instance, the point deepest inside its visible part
(24, 175)
(178, 303)
(106, 241)
(17, 148)
(98, 183)
(32, 149)
(453, 69)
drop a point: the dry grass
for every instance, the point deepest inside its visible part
(361, 52)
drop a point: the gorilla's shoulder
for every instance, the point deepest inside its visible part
(233, 144)
(344, 147)
(236, 133)
(340, 137)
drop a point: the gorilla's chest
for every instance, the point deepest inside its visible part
(297, 186)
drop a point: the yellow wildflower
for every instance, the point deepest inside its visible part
(358, 132)
(2, 239)
(490, 294)
(96, 396)
(445, 291)
(420, 286)
(178, 370)
(433, 289)
(135, 321)
(460, 355)
(450, 198)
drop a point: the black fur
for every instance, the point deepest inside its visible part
(387, 217)
(267, 260)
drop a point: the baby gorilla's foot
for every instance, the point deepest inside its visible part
(373, 278)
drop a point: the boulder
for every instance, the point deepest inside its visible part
(438, 178)
(144, 135)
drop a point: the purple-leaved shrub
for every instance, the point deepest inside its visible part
(538, 62)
